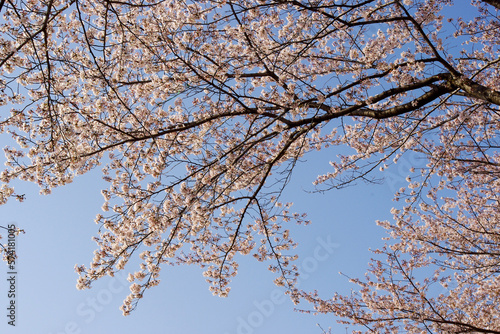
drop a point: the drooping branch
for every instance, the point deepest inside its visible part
(204, 109)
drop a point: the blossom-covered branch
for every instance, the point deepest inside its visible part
(198, 111)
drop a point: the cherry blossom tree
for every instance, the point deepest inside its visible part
(198, 111)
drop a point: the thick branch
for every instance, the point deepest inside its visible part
(494, 3)
(476, 90)
(419, 102)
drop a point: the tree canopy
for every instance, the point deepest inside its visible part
(198, 111)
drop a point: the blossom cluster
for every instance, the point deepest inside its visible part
(198, 111)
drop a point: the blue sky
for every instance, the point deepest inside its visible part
(58, 235)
